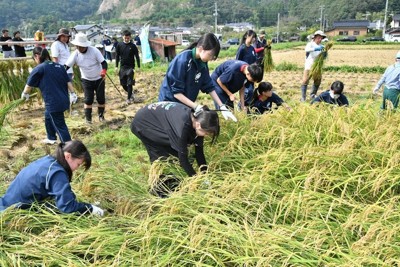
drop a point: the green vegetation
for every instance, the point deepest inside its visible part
(317, 187)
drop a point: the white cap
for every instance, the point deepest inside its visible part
(81, 40)
(320, 33)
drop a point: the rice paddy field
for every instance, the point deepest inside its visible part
(313, 186)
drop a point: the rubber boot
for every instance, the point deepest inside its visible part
(88, 115)
(130, 94)
(314, 91)
(303, 92)
(100, 111)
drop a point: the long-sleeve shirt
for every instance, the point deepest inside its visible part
(125, 54)
(186, 75)
(391, 77)
(325, 97)
(169, 124)
(42, 179)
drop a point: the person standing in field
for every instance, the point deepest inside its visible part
(188, 73)
(60, 50)
(313, 49)
(7, 49)
(261, 42)
(168, 128)
(125, 54)
(19, 49)
(391, 79)
(93, 69)
(39, 36)
(54, 84)
(106, 42)
(333, 96)
(50, 177)
(233, 76)
(264, 98)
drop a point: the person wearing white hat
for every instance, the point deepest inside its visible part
(60, 49)
(313, 49)
(391, 79)
(93, 69)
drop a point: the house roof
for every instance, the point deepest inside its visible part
(351, 24)
(162, 42)
(396, 17)
(85, 27)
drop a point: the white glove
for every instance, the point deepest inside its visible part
(73, 98)
(97, 211)
(198, 110)
(227, 113)
(25, 96)
(375, 91)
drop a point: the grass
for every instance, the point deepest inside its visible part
(318, 187)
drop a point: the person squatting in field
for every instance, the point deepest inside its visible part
(50, 177)
(263, 99)
(93, 69)
(249, 54)
(126, 53)
(168, 128)
(391, 79)
(313, 49)
(333, 96)
(54, 84)
(188, 73)
(232, 76)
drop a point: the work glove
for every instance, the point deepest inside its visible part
(25, 96)
(375, 91)
(267, 46)
(73, 98)
(198, 110)
(227, 113)
(319, 48)
(97, 211)
(103, 73)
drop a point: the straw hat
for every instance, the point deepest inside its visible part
(64, 32)
(320, 33)
(81, 40)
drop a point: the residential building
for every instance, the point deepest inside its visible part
(348, 28)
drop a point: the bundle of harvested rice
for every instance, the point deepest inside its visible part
(316, 69)
(267, 61)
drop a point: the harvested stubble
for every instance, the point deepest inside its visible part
(317, 186)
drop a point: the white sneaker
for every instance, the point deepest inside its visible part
(49, 142)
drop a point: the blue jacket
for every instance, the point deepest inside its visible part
(52, 80)
(186, 75)
(263, 106)
(325, 97)
(230, 73)
(246, 54)
(42, 179)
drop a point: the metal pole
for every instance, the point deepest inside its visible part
(384, 21)
(277, 30)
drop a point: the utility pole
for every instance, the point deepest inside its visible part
(384, 21)
(277, 29)
(216, 16)
(321, 18)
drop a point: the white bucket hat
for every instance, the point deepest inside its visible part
(320, 33)
(81, 40)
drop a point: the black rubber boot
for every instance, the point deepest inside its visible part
(303, 92)
(88, 115)
(314, 91)
(100, 111)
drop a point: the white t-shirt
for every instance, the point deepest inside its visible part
(89, 63)
(61, 52)
(312, 55)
